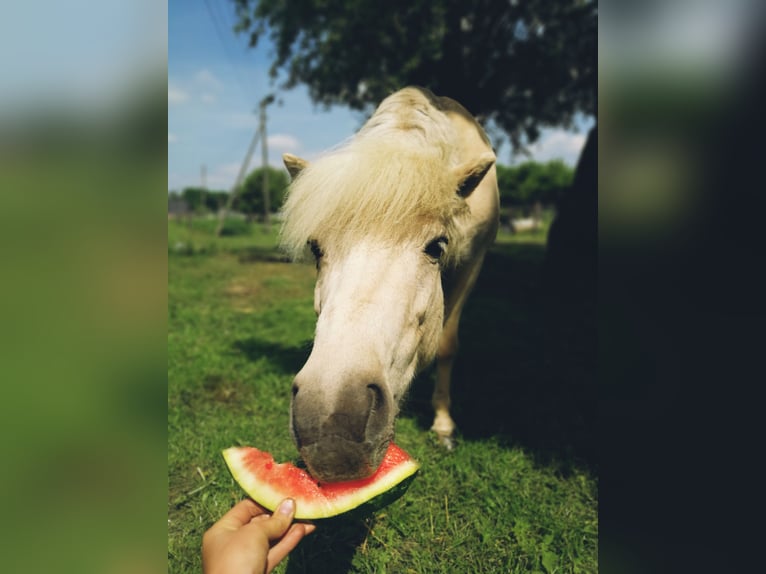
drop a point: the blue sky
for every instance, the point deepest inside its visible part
(82, 57)
(215, 83)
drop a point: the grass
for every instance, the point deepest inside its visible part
(519, 493)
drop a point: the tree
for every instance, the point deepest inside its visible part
(200, 199)
(523, 64)
(532, 182)
(194, 197)
(571, 256)
(520, 64)
(215, 200)
(250, 197)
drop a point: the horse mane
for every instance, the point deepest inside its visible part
(391, 180)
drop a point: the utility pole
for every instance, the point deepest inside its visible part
(203, 188)
(265, 160)
(245, 163)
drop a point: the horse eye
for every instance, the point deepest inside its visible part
(315, 249)
(435, 249)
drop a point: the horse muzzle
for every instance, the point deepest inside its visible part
(343, 437)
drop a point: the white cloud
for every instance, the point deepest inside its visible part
(176, 95)
(223, 176)
(284, 142)
(558, 144)
(203, 86)
(207, 79)
(172, 138)
(230, 169)
(240, 121)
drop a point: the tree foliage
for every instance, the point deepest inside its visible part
(532, 182)
(250, 197)
(522, 63)
(199, 199)
(193, 196)
(215, 200)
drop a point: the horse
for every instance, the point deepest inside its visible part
(524, 224)
(398, 219)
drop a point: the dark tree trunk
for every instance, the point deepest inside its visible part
(571, 258)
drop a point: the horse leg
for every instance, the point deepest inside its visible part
(444, 426)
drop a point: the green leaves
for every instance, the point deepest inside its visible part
(250, 197)
(531, 181)
(522, 65)
(240, 328)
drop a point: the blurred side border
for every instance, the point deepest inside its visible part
(681, 284)
(83, 171)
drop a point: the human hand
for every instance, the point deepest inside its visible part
(248, 540)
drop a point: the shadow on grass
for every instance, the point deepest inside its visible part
(332, 546)
(288, 359)
(212, 246)
(525, 376)
(526, 369)
(525, 373)
(261, 254)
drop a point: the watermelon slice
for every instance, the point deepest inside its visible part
(268, 483)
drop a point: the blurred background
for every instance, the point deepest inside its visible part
(83, 292)
(680, 284)
(238, 76)
(249, 81)
(85, 227)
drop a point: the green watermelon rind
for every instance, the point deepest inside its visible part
(364, 500)
(382, 500)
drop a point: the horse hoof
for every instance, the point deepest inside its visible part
(447, 441)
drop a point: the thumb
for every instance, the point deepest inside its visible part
(276, 526)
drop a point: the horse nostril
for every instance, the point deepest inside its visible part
(378, 416)
(295, 389)
(376, 402)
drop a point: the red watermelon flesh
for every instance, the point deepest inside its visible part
(268, 483)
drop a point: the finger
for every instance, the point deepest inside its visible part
(308, 527)
(239, 515)
(288, 542)
(277, 525)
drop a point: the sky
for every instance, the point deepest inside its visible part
(79, 55)
(215, 82)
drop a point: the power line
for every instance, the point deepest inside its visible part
(222, 214)
(259, 135)
(218, 23)
(246, 49)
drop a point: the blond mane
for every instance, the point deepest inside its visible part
(391, 181)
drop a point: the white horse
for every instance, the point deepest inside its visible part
(398, 220)
(525, 224)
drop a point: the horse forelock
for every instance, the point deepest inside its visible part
(391, 181)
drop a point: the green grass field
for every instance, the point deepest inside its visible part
(518, 494)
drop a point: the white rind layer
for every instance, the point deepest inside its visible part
(269, 497)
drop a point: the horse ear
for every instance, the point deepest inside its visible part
(294, 164)
(470, 174)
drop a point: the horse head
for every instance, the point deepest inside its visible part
(380, 251)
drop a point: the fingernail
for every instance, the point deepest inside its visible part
(287, 507)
